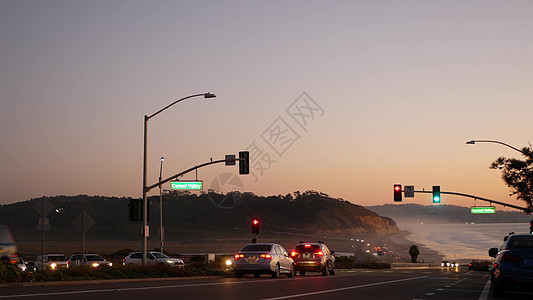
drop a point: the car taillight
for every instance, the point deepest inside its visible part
(239, 255)
(319, 253)
(507, 257)
(294, 253)
(266, 256)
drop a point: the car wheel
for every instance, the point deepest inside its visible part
(257, 275)
(325, 270)
(292, 272)
(332, 271)
(276, 272)
(238, 274)
(302, 273)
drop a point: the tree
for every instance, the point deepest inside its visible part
(413, 251)
(518, 175)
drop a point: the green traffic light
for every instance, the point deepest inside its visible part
(436, 194)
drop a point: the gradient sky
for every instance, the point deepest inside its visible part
(402, 85)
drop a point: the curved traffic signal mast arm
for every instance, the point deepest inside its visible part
(479, 198)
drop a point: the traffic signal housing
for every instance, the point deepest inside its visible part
(255, 225)
(244, 162)
(397, 193)
(436, 194)
(531, 227)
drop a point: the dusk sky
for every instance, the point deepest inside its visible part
(341, 97)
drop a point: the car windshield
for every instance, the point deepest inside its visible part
(307, 248)
(159, 255)
(94, 258)
(57, 258)
(520, 242)
(256, 247)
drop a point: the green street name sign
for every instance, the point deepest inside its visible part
(483, 210)
(186, 185)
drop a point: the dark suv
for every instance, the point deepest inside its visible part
(313, 257)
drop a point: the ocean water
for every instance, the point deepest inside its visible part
(463, 241)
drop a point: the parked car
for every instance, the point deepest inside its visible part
(8, 248)
(264, 258)
(447, 264)
(93, 260)
(313, 257)
(513, 265)
(152, 258)
(51, 262)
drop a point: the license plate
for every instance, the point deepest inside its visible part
(252, 259)
(308, 255)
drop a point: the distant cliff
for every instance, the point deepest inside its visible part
(190, 216)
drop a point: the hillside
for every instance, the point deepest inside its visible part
(415, 213)
(192, 217)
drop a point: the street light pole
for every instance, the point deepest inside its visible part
(161, 205)
(472, 142)
(144, 229)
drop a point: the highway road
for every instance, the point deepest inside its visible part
(431, 284)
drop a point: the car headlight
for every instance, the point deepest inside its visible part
(110, 264)
(53, 266)
(169, 261)
(95, 265)
(228, 262)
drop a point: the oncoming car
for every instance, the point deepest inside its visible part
(51, 262)
(264, 258)
(513, 265)
(313, 257)
(447, 264)
(152, 257)
(93, 260)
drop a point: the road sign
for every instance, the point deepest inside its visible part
(230, 160)
(44, 224)
(483, 210)
(409, 191)
(79, 222)
(186, 185)
(48, 207)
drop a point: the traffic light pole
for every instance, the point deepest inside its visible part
(479, 198)
(176, 176)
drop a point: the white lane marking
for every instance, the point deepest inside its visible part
(440, 290)
(485, 293)
(344, 289)
(430, 294)
(143, 288)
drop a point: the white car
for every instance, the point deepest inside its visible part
(93, 260)
(135, 258)
(51, 261)
(264, 258)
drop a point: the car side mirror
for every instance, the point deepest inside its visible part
(493, 252)
(505, 238)
(332, 252)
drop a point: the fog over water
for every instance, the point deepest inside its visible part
(462, 241)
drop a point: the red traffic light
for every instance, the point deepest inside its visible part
(397, 193)
(255, 225)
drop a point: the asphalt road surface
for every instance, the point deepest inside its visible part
(431, 284)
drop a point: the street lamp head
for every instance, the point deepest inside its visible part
(209, 95)
(162, 158)
(471, 142)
